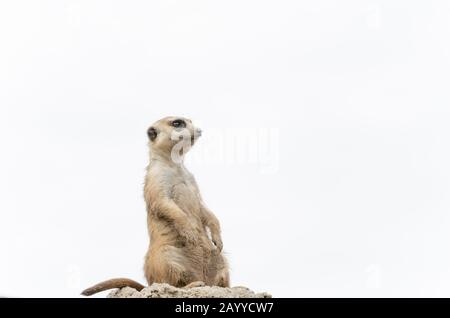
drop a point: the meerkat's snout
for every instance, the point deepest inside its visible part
(197, 133)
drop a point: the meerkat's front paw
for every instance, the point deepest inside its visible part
(217, 240)
(195, 284)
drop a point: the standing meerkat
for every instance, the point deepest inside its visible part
(185, 247)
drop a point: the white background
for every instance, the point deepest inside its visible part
(358, 90)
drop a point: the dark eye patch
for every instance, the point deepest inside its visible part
(179, 123)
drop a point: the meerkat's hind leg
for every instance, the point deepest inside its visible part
(220, 272)
(222, 278)
(198, 283)
(168, 265)
(179, 275)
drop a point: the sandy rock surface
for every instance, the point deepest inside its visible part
(168, 291)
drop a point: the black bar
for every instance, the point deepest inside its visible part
(219, 307)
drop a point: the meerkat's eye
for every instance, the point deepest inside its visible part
(179, 123)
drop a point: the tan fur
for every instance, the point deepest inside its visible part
(115, 282)
(180, 253)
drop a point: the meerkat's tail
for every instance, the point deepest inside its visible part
(112, 283)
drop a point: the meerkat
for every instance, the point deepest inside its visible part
(185, 247)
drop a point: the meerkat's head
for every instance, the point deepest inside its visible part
(173, 134)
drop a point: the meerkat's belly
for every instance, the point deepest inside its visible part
(187, 199)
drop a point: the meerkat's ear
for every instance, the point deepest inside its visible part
(152, 133)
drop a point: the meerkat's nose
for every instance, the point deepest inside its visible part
(198, 132)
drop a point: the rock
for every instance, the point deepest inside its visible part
(168, 291)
